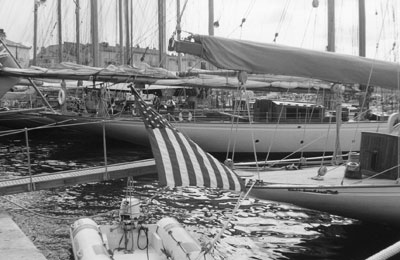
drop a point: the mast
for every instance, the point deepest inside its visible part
(331, 26)
(35, 11)
(95, 32)
(60, 47)
(162, 31)
(127, 32)
(121, 34)
(178, 32)
(211, 17)
(78, 39)
(336, 89)
(362, 28)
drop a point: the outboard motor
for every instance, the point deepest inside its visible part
(129, 209)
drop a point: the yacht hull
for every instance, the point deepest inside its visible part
(243, 137)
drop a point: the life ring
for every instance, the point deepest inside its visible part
(394, 120)
(61, 97)
(185, 116)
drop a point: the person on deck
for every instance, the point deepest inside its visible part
(156, 102)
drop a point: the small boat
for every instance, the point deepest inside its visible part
(133, 238)
(365, 187)
(180, 162)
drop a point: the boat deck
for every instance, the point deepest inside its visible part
(306, 177)
(13, 242)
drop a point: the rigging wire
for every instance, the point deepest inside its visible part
(307, 25)
(368, 87)
(275, 131)
(281, 20)
(244, 18)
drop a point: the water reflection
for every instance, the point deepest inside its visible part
(260, 229)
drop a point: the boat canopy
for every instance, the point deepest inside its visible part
(263, 58)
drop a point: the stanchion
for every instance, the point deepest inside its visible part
(31, 185)
(106, 177)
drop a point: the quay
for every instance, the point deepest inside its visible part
(72, 177)
(13, 242)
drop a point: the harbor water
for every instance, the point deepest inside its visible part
(260, 229)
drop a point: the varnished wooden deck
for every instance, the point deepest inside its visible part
(73, 177)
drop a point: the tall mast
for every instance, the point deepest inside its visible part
(95, 32)
(121, 34)
(331, 25)
(362, 30)
(35, 11)
(336, 89)
(60, 45)
(78, 39)
(178, 32)
(162, 31)
(211, 17)
(127, 30)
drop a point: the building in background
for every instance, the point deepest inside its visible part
(19, 51)
(48, 56)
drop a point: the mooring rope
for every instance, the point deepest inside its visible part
(53, 217)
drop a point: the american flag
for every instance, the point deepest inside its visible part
(179, 160)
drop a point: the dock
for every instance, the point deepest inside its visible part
(46, 181)
(13, 242)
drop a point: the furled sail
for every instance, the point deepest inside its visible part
(179, 160)
(67, 70)
(263, 58)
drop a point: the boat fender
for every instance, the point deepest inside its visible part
(190, 117)
(87, 241)
(61, 97)
(393, 121)
(177, 241)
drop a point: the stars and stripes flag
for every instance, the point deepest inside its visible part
(179, 160)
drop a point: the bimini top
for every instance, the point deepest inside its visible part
(263, 58)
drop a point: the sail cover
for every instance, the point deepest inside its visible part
(141, 72)
(277, 59)
(179, 160)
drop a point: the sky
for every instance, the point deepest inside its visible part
(296, 22)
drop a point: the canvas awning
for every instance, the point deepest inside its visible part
(263, 58)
